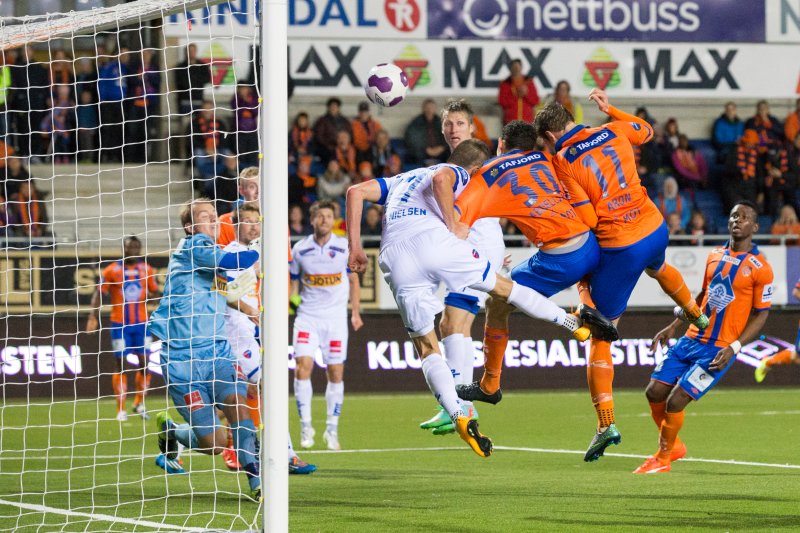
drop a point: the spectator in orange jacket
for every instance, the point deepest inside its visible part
(786, 224)
(791, 127)
(300, 137)
(517, 95)
(365, 129)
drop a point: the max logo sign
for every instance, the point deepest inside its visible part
(457, 72)
(343, 58)
(691, 74)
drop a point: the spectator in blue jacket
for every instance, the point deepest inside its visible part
(112, 89)
(728, 129)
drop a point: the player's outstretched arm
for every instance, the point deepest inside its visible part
(639, 135)
(442, 184)
(599, 97)
(371, 191)
(753, 327)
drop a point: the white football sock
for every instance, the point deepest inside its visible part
(302, 395)
(440, 381)
(291, 449)
(467, 362)
(454, 354)
(535, 305)
(334, 397)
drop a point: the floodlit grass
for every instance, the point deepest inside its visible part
(60, 456)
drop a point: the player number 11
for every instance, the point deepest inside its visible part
(590, 163)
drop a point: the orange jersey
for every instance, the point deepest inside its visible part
(598, 167)
(227, 233)
(734, 285)
(128, 286)
(521, 186)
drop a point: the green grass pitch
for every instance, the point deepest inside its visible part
(742, 474)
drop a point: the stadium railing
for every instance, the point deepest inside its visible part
(690, 240)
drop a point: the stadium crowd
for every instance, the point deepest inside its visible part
(56, 108)
(693, 183)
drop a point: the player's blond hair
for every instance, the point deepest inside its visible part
(247, 173)
(458, 106)
(187, 210)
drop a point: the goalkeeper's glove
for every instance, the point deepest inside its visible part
(243, 285)
(294, 303)
(255, 244)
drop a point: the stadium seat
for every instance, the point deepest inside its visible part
(709, 202)
(399, 147)
(715, 170)
(764, 223)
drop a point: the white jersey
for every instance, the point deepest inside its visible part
(322, 271)
(410, 206)
(236, 322)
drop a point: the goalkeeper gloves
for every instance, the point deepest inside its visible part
(255, 245)
(294, 303)
(241, 286)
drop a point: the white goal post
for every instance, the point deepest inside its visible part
(74, 465)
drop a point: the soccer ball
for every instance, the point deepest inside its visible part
(386, 85)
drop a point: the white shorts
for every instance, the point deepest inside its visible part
(330, 336)
(415, 267)
(467, 297)
(246, 349)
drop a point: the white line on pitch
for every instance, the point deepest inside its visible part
(636, 456)
(733, 413)
(547, 450)
(435, 449)
(100, 517)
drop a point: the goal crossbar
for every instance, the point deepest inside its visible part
(17, 31)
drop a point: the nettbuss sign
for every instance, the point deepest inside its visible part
(582, 20)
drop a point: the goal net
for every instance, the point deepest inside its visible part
(112, 119)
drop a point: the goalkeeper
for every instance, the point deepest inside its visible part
(196, 359)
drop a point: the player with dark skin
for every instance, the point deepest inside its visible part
(132, 255)
(742, 224)
(737, 295)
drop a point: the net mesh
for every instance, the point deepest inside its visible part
(111, 120)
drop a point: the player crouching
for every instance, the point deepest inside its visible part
(196, 359)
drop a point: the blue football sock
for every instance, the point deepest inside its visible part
(246, 444)
(184, 434)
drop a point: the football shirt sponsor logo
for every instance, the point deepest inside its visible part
(322, 280)
(700, 380)
(193, 401)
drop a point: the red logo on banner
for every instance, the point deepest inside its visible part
(413, 69)
(193, 400)
(601, 71)
(402, 14)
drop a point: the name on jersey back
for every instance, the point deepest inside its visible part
(407, 212)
